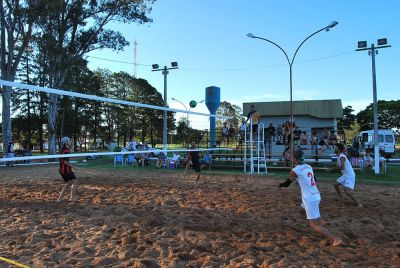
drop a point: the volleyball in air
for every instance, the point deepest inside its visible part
(193, 103)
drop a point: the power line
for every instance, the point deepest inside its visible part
(232, 69)
(118, 61)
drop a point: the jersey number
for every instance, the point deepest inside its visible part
(311, 176)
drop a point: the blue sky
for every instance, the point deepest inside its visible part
(208, 40)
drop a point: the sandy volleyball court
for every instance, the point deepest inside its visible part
(149, 219)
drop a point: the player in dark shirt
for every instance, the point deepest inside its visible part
(194, 161)
(66, 171)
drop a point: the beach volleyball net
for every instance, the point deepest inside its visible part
(99, 124)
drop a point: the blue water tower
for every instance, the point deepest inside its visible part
(213, 99)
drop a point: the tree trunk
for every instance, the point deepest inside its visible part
(75, 128)
(41, 108)
(152, 136)
(52, 122)
(29, 138)
(6, 117)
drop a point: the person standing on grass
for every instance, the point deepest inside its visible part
(310, 196)
(66, 171)
(348, 178)
(10, 153)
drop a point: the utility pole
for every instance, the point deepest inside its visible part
(174, 65)
(372, 51)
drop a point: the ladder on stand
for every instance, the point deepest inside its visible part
(254, 150)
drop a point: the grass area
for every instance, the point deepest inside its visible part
(392, 175)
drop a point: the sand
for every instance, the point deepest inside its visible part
(128, 218)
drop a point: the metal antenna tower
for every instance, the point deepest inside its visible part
(134, 59)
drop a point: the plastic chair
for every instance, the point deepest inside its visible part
(130, 160)
(119, 158)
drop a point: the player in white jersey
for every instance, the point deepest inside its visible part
(310, 195)
(348, 178)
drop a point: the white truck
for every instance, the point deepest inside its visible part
(386, 139)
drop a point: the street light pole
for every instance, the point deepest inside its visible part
(187, 114)
(188, 110)
(174, 65)
(362, 45)
(290, 62)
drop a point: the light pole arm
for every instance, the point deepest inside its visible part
(275, 44)
(180, 103)
(311, 35)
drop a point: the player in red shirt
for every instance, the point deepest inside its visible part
(66, 171)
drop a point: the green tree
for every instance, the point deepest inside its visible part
(18, 21)
(182, 131)
(150, 121)
(388, 115)
(71, 29)
(348, 119)
(232, 115)
(351, 132)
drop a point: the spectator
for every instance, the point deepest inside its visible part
(137, 156)
(322, 145)
(286, 133)
(356, 145)
(161, 160)
(271, 132)
(242, 130)
(145, 146)
(368, 161)
(332, 139)
(325, 134)
(286, 156)
(132, 145)
(314, 144)
(10, 153)
(207, 160)
(279, 131)
(303, 138)
(225, 132)
(255, 119)
(144, 157)
(175, 160)
(296, 135)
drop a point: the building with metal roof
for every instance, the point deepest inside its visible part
(309, 115)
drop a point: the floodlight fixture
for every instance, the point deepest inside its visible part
(155, 66)
(382, 42)
(362, 44)
(174, 64)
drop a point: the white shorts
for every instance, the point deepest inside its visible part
(312, 209)
(347, 181)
